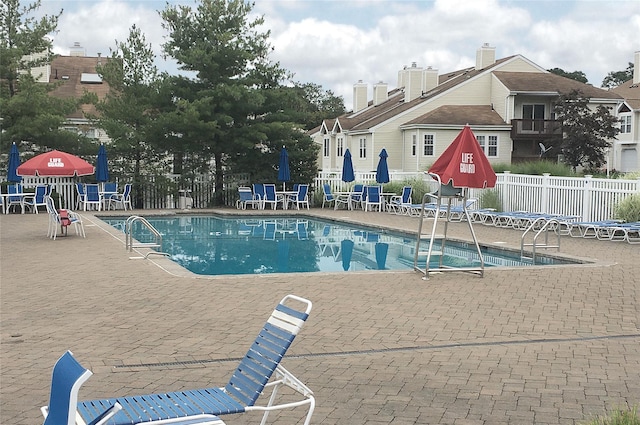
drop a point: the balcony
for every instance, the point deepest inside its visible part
(535, 129)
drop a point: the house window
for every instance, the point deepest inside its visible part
(340, 146)
(414, 145)
(488, 144)
(427, 145)
(325, 150)
(625, 124)
(363, 147)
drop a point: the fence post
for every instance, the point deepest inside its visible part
(506, 197)
(544, 202)
(586, 198)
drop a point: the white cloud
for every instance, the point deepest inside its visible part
(337, 43)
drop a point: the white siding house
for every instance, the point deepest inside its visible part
(507, 102)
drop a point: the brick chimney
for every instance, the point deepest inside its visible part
(359, 96)
(636, 68)
(485, 56)
(380, 93)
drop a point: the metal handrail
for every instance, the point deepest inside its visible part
(128, 231)
(546, 227)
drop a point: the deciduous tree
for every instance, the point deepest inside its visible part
(615, 78)
(586, 132)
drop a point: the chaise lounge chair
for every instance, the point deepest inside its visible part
(240, 394)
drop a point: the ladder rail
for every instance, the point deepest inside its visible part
(547, 226)
(129, 240)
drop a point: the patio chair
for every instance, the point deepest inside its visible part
(80, 196)
(92, 196)
(396, 203)
(357, 195)
(239, 395)
(301, 198)
(62, 218)
(121, 199)
(37, 200)
(66, 380)
(246, 198)
(14, 200)
(109, 191)
(372, 199)
(270, 196)
(258, 193)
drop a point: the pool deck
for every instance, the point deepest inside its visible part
(536, 345)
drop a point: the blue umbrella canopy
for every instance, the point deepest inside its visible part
(346, 246)
(14, 163)
(347, 168)
(381, 254)
(102, 166)
(284, 174)
(382, 172)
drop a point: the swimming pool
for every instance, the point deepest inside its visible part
(213, 245)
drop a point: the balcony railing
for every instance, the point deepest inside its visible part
(534, 129)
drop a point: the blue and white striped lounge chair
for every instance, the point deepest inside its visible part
(397, 203)
(239, 395)
(66, 380)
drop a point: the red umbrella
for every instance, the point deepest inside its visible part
(55, 163)
(464, 163)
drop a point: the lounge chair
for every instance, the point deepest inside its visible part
(240, 394)
(357, 195)
(327, 196)
(66, 380)
(246, 198)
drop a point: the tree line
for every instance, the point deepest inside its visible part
(231, 110)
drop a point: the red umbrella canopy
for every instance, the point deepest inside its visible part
(55, 163)
(464, 163)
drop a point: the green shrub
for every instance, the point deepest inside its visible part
(536, 168)
(629, 208)
(490, 198)
(617, 417)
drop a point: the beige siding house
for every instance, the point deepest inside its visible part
(507, 102)
(624, 155)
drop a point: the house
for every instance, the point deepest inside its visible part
(76, 74)
(624, 154)
(507, 102)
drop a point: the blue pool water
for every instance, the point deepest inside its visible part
(212, 245)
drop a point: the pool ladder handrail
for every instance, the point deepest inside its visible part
(129, 241)
(546, 228)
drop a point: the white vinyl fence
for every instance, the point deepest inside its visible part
(589, 198)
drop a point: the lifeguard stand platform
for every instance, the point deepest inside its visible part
(440, 203)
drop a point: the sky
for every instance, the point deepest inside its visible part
(336, 43)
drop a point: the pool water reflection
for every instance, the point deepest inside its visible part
(212, 245)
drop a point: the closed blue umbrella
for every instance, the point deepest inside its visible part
(381, 255)
(284, 174)
(283, 256)
(382, 172)
(102, 167)
(347, 168)
(346, 246)
(14, 163)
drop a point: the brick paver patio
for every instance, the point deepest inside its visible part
(538, 345)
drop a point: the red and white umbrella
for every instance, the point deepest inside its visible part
(55, 164)
(464, 164)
